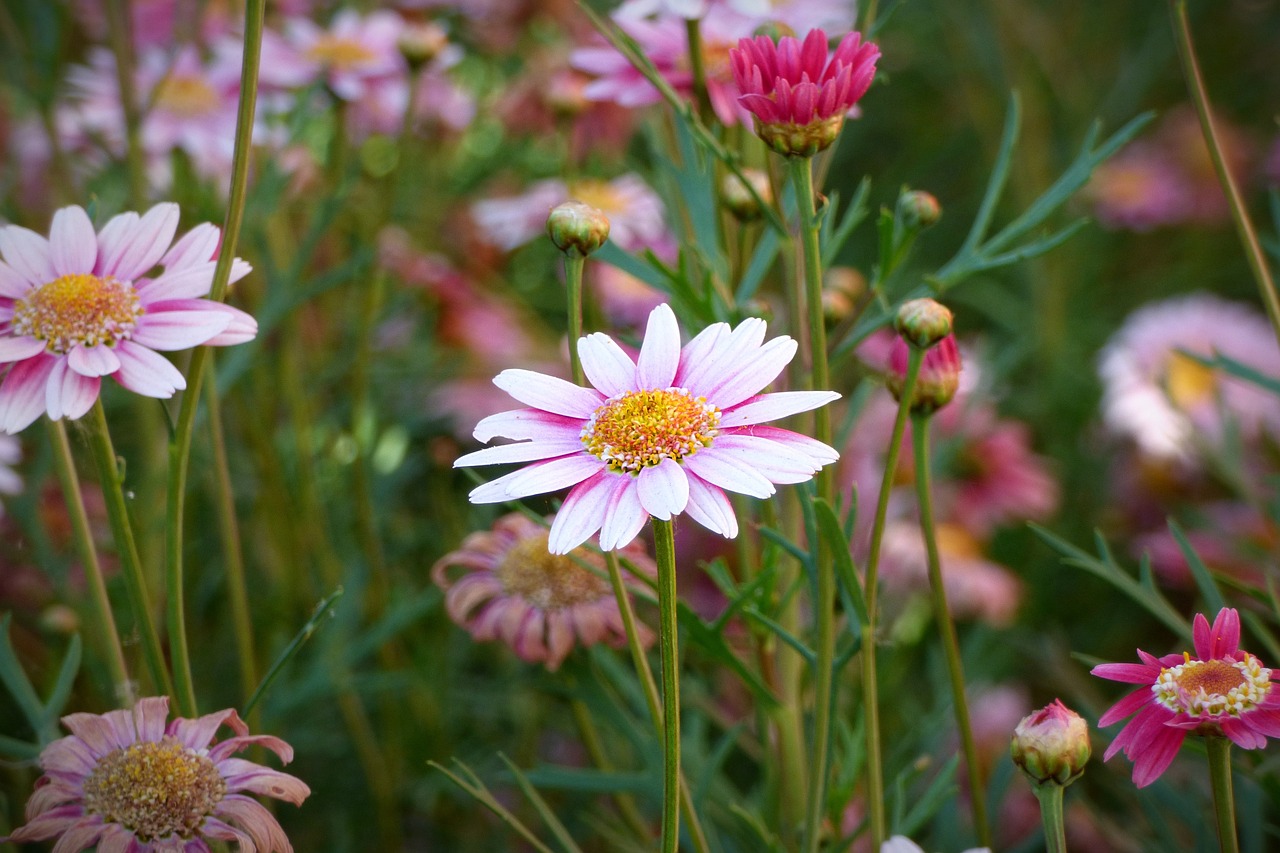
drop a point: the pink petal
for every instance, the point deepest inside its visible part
(729, 352)
(73, 244)
(214, 828)
(12, 284)
(1131, 673)
(242, 775)
(739, 380)
(1130, 704)
(111, 239)
(256, 820)
(27, 253)
(606, 365)
(195, 248)
(582, 512)
(230, 746)
(771, 407)
(624, 517)
(728, 473)
(242, 328)
(189, 282)
(663, 489)
(699, 350)
(117, 839)
(93, 361)
(68, 757)
(538, 478)
(776, 462)
(22, 396)
(197, 734)
(68, 394)
(55, 822)
(660, 352)
(19, 348)
(148, 373)
(549, 393)
(520, 424)
(177, 330)
(819, 453)
(709, 506)
(525, 451)
(140, 247)
(559, 637)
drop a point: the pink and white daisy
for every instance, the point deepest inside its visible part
(355, 54)
(1222, 692)
(665, 434)
(81, 305)
(128, 783)
(513, 589)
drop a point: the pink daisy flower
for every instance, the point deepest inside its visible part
(1222, 692)
(352, 56)
(130, 784)
(798, 95)
(82, 305)
(513, 589)
(659, 436)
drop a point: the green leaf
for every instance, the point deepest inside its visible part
(299, 639)
(15, 679)
(833, 532)
(473, 786)
(1212, 596)
(544, 811)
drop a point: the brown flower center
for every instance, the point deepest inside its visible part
(78, 309)
(549, 581)
(155, 789)
(1213, 687)
(639, 429)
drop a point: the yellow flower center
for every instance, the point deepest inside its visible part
(187, 97)
(155, 789)
(1188, 382)
(549, 581)
(598, 194)
(639, 429)
(1206, 688)
(78, 309)
(340, 53)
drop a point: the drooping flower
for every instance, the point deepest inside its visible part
(129, 783)
(1222, 692)
(82, 305)
(660, 436)
(798, 96)
(513, 589)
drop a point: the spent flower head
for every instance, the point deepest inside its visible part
(1221, 692)
(1051, 746)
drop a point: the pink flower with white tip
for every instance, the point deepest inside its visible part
(666, 434)
(81, 305)
(1221, 692)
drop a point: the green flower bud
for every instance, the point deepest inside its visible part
(919, 209)
(1051, 746)
(923, 322)
(577, 228)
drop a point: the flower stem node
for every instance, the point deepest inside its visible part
(1051, 746)
(918, 209)
(923, 322)
(577, 228)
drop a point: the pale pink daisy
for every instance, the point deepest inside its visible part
(82, 305)
(128, 783)
(352, 56)
(513, 589)
(1169, 404)
(665, 434)
(1222, 692)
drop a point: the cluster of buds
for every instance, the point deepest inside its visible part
(925, 324)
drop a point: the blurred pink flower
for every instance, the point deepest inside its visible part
(352, 56)
(1231, 538)
(156, 23)
(1222, 692)
(125, 781)
(663, 435)
(1166, 402)
(10, 456)
(976, 587)
(81, 305)
(513, 589)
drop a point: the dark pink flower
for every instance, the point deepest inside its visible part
(1222, 692)
(798, 95)
(126, 782)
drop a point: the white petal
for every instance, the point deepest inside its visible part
(699, 349)
(27, 253)
(549, 393)
(110, 238)
(22, 395)
(12, 284)
(775, 461)
(552, 475)
(187, 282)
(624, 518)
(147, 373)
(582, 512)
(524, 451)
(660, 352)
(194, 248)
(729, 352)
(820, 453)
(67, 393)
(73, 244)
(175, 330)
(710, 507)
(519, 424)
(93, 361)
(743, 379)
(141, 246)
(607, 366)
(18, 348)
(771, 407)
(663, 489)
(729, 474)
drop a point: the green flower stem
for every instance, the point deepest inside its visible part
(83, 536)
(120, 33)
(104, 455)
(1244, 226)
(947, 628)
(573, 267)
(1050, 797)
(665, 551)
(698, 70)
(824, 606)
(180, 444)
(870, 685)
(1224, 804)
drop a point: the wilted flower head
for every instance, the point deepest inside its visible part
(82, 304)
(1051, 746)
(1222, 692)
(125, 781)
(663, 435)
(513, 589)
(800, 98)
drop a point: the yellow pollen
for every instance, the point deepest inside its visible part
(1189, 382)
(1212, 688)
(599, 194)
(639, 429)
(155, 790)
(78, 309)
(186, 96)
(549, 581)
(341, 53)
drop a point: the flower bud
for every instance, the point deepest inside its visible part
(1051, 746)
(577, 228)
(739, 201)
(939, 376)
(422, 42)
(923, 322)
(842, 290)
(919, 209)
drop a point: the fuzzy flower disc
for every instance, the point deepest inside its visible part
(78, 309)
(639, 429)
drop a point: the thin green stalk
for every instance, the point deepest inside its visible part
(112, 648)
(870, 684)
(1050, 797)
(363, 429)
(868, 18)
(120, 33)
(1239, 213)
(1224, 804)
(180, 444)
(947, 628)
(595, 748)
(698, 70)
(104, 455)
(573, 267)
(824, 606)
(665, 550)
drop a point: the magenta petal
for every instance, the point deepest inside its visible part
(1241, 734)
(1223, 637)
(1264, 722)
(22, 396)
(147, 373)
(1130, 673)
(1157, 755)
(1130, 704)
(73, 244)
(178, 330)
